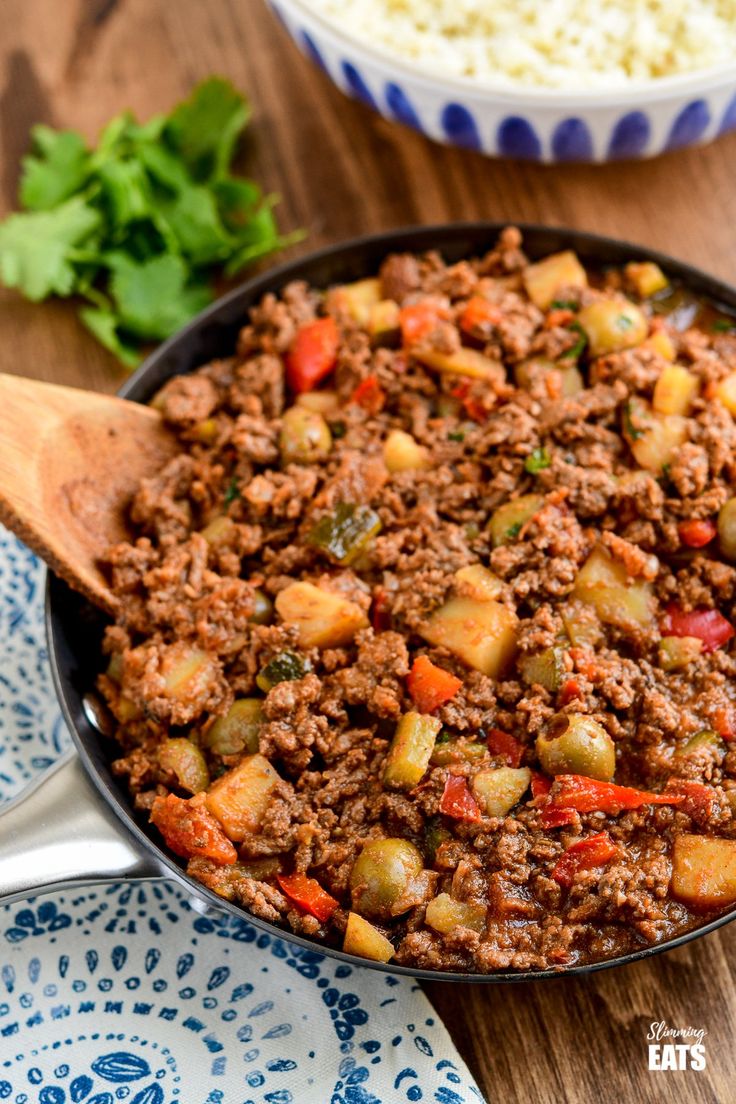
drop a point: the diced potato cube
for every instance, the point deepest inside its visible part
(497, 791)
(384, 322)
(402, 453)
(464, 362)
(603, 583)
(220, 530)
(675, 390)
(324, 619)
(411, 749)
(653, 438)
(646, 278)
(661, 342)
(358, 298)
(444, 914)
(582, 624)
(319, 402)
(612, 324)
(361, 938)
(703, 871)
(482, 634)
(508, 520)
(726, 392)
(545, 278)
(240, 798)
(476, 581)
(570, 381)
(676, 652)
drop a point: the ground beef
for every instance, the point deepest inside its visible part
(481, 540)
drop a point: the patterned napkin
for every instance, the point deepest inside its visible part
(130, 992)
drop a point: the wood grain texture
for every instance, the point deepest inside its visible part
(342, 171)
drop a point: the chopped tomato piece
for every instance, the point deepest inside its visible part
(698, 801)
(541, 785)
(430, 686)
(189, 829)
(707, 625)
(457, 800)
(308, 894)
(587, 795)
(370, 395)
(312, 354)
(417, 322)
(473, 407)
(381, 611)
(479, 315)
(724, 722)
(586, 854)
(570, 689)
(501, 743)
(556, 818)
(560, 317)
(697, 532)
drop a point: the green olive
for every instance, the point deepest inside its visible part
(381, 874)
(305, 436)
(612, 324)
(186, 761)
(238, 730)
(727, 528)
(263, 608)
(576, 744)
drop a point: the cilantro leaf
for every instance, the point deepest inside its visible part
(104, 325)
(537, 460)
(35, 248)
(154, 298)
(204, 129)
(195, 221)
(56, 169)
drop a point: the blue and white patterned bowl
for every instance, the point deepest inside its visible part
(536, 124)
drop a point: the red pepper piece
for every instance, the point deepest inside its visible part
(697, 532)
(457, 801)
(708, 625)
(190, 829)
(550, 817)
(562, 316)
(473, 407)
(587, 795)
(479, 316)
(501, 743)
(541, 785)
(430, 686)
(381, 612)
(586, 854)
(570, 689)
(312, 354)
(724, 722)
(308, 894)
(417, 322)
(370, 395)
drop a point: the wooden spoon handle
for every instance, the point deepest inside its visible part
(69, 462)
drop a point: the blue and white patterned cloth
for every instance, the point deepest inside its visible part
(128, 992)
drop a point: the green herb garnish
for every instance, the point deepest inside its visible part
(537, 461)
(232, 492)
(514, 530)
(138, 226)
(631, 431)
(723, 325)
(563, 304)
(456, 435)
(578, 348)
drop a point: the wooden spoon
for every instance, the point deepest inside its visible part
(70, 461)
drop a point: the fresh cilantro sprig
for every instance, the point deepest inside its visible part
(138, 226)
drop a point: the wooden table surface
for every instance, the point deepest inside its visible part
(342, 171)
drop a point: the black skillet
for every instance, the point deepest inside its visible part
(67, 830)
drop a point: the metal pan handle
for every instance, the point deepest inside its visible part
(59, 831)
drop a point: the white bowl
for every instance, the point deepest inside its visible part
(539, 124)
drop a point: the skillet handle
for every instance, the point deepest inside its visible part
(60, 831)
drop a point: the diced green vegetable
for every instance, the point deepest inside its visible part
(537, 461)
(498, 790)
(410, 751)
(545, 668)
(444, 914)
(676, 652)
(457, 751)
(346, 532)
(435, 834)
(186, 761)
(284, 667)
(508, 520)
(705, 740)
(238, 730)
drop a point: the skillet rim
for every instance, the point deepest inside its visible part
(355, 255)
